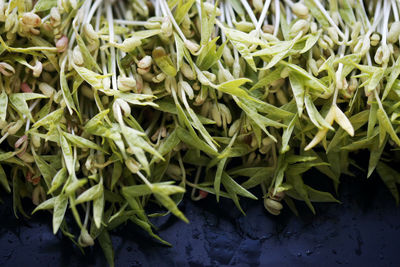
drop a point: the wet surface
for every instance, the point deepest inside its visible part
(362, 231)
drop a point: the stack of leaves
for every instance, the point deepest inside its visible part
(107, 107)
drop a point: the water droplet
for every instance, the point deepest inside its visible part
(298, 254)
(308, 252)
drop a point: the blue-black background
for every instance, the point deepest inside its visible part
(362, 231)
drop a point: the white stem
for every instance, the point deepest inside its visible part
(86, 221)
(386, 13)
(277, 17)
(34, 104)
(369, 59)
(228, 14)
(328, 17)
(45, 18)
(198, 8)
(157, 8)
(112, 49)
(249, 11)
(28, 123)
(167, 12)
(263, 15)
(4, 137)
(93, 10)
(364, 13)
(289, 3)
(133, 22)
(144, 179)
(196, 180)
(222, 18)
(118, 11)
(377, 17)
(288, 14)
(395, 11)
(98, 18)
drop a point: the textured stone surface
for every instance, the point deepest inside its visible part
(365, 229)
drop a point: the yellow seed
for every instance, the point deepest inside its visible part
(27, 158)
(273, 206)
(85, 239)
(300, 10)
(15, 126)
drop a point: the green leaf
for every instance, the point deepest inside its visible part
(169, 143)
(189, 139)
(264, 176)
(98, 209)
(67, 153)
(384, 122)
(314, 115)
(147, 227)
(300, 189)
(261, 121)
(298, 91)
(287, 134)
(319, 196)
(18, 100)
(106, 246)
(271, 77)
(87, 57)
(168, 203)
(209, 55)
(91, 77)
(116, 174)
(375, 155)
(233, 88)
(58, 180)
(395, 72)
(240, 37)
(137, 190)
(47, 171)
(163, 61)
(166, 188)
(233, 186)
(134, 139)
(180, 51)
(65, 89)
(90, 194)
(218, 175)
(376, 78)
(316, 13)
(245, 53)
(3, 180)
(51, 119)
(60, 207)
(6, 155)
(390, 177)
(44, 5)
(311, 41)
(135, 205)
(82, 142)
(346, 12)
(182, 9)
(207, 23)
(45, 205)
(38, 41)
(316, 83)
(3, 105)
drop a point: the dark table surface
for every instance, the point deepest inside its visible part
(362, 231)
